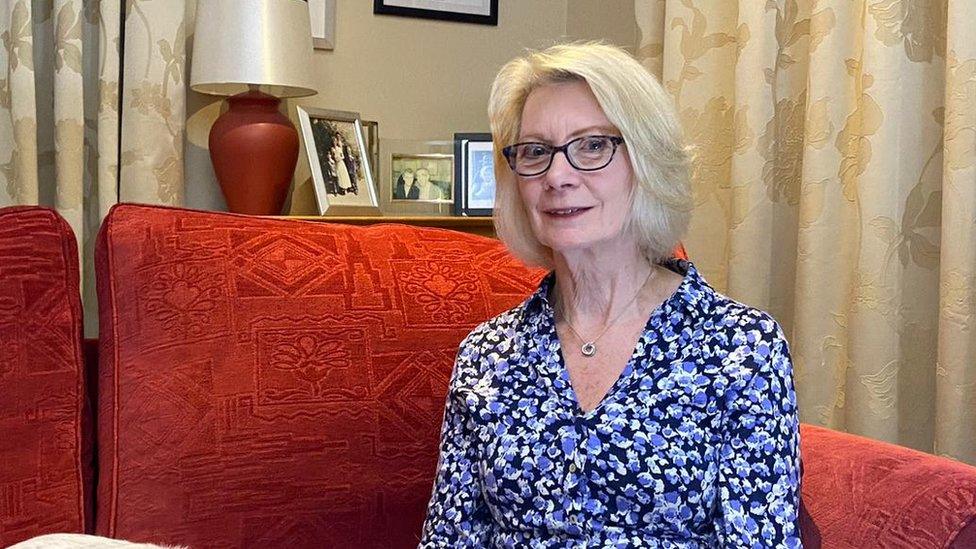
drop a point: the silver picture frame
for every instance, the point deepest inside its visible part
(339, 162)
(394, 155)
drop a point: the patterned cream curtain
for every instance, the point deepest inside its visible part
(59, 110)
(835, 181)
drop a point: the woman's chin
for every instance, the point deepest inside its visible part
(570, 246)
(569, 243)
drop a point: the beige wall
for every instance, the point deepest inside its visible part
(420, 79)
(610, 20)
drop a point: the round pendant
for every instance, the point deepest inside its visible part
(588, 349)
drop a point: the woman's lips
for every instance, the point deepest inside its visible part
(565, 212)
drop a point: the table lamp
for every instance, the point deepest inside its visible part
(256, 52)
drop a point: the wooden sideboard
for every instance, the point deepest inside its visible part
(475, 225)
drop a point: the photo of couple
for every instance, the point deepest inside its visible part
(342, 166)
(339, 160)
(424, 178)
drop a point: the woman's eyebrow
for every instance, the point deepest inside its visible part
(596, 129)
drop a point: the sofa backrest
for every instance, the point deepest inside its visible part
(276, 383)
(45, 422)
(871, 494)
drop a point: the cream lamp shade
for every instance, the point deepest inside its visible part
(242, 45)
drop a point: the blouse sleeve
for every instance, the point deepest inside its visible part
(759, 469)
(457, 515)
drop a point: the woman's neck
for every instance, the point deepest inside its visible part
(592, 287)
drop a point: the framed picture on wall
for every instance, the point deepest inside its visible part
(339, 162)
(474, 174)
(482, 12)
(322, 16)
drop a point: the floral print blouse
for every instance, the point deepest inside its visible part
(695, 445)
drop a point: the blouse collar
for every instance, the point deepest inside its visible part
(692, 297)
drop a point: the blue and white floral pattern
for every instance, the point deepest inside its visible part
(695, 445)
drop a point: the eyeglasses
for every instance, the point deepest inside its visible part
(587, 153)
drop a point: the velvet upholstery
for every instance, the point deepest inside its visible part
(868, 494)
(45, 430)
(966, 538)
(273, 383)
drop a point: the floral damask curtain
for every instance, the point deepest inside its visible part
(835, 181)
(60, 100)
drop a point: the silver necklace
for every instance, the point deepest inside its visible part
(588, 349)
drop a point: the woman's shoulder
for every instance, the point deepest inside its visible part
(714, 313)
(487, 348)
(726, 316)
(498, 329)
(733, 328)
(748, 341)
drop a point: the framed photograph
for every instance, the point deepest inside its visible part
(339, 162)
(322, 14)
(417, 177)
(482, 12)
(371, 132)
(422, 177)
(474, 174)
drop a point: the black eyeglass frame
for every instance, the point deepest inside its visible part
(509, 153)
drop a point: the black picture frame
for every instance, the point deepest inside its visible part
(463, 205)
(382, 8)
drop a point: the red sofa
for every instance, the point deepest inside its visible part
(274, 383)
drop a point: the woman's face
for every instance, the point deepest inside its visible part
(572, 210)
(423, 176)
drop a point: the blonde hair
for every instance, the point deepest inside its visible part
(635, 103)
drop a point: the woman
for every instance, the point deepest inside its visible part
(322, 133)
(625, 403)
(344, 181)
(404, 188)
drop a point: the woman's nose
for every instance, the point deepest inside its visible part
(561, 173)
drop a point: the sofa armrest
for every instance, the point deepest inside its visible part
(865, 493)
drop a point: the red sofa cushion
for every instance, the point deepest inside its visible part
(866, 494)
(45, 439)
(275, 383)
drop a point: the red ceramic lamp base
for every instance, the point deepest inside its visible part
(254, 149)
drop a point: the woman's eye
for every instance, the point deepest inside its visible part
(594, 144)
(535, 151)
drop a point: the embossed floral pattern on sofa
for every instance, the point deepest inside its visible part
(271, 383)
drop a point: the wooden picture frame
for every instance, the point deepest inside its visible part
(371, 132)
